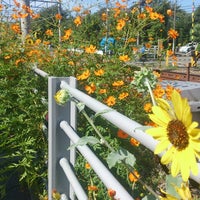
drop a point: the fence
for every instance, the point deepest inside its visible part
(62, 133)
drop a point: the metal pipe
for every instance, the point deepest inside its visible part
(104, 174)
(78, 190)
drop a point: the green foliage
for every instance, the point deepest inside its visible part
(23, 146)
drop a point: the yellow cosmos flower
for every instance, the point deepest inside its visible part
(118, 83)
(84, 75)
(124, 58)
(91, 49)
(177, 135)
(173, 33)
(99, 72)
(77, 21)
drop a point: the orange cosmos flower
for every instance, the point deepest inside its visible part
(99, 72)
(77, 8)
(148, 1)
(90, 88)
(90, 49)
(84, 75)
(58, 16)
(92, 188)
(124, 58)
(158, 91)
(67, 34)
(161, 18)
(148, 107)
(121, 134)
(71, 63)
(141, 16)
(169, 12)
(134, 176)
(131, 40)
(148, 45)
(157, 74)
(153, 15)
(16, 28)
(123, 95)
(135, 9)
(170, 52)
(111, 192)
(104, 16)
(169, 89)
(49, 32)
(120, 24)
(117, 12)
(110, 101)
(17, 4)
(7, 57)
(148, 9)
(118, 83)
(173, 33)
(102, 91)
(77, 21)
(134, 142)
(1, 7)
(35, 16)
(19, 61)
(87, 166)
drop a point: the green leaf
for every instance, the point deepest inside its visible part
(128, 157)
(85, 140)
(114, 158)
(171, 182)
(80, 106)
(120, 155)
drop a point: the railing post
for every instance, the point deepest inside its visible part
(57, 140)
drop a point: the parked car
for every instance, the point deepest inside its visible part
(188, 47)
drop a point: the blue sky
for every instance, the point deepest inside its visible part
(184, 4)
(95, 4)
(187, 4)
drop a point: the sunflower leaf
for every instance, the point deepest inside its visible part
(85, 140)
(119, 156)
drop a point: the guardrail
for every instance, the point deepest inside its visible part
(62, 133)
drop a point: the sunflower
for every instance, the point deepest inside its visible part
(177, 134)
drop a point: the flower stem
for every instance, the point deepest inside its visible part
(150, 91)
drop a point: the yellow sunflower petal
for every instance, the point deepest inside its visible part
(159, 116)
(195, 145)
(195, 133)
(163, 104)
(157, 133)
(186, 115)
(192, 160)
(162, 146)
(192, 126)
(177, 103)
(175, 167)
(168, 156)
(184, 164)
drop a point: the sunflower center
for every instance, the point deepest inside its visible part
(177, 134)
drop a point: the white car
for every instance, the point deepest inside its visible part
(188, 47)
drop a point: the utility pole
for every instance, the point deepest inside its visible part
(59, 22)
(25, 21)
(174, 25)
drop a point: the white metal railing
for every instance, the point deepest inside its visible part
(61, 161)
(62, 122)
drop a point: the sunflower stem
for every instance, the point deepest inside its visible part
(150, 91)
